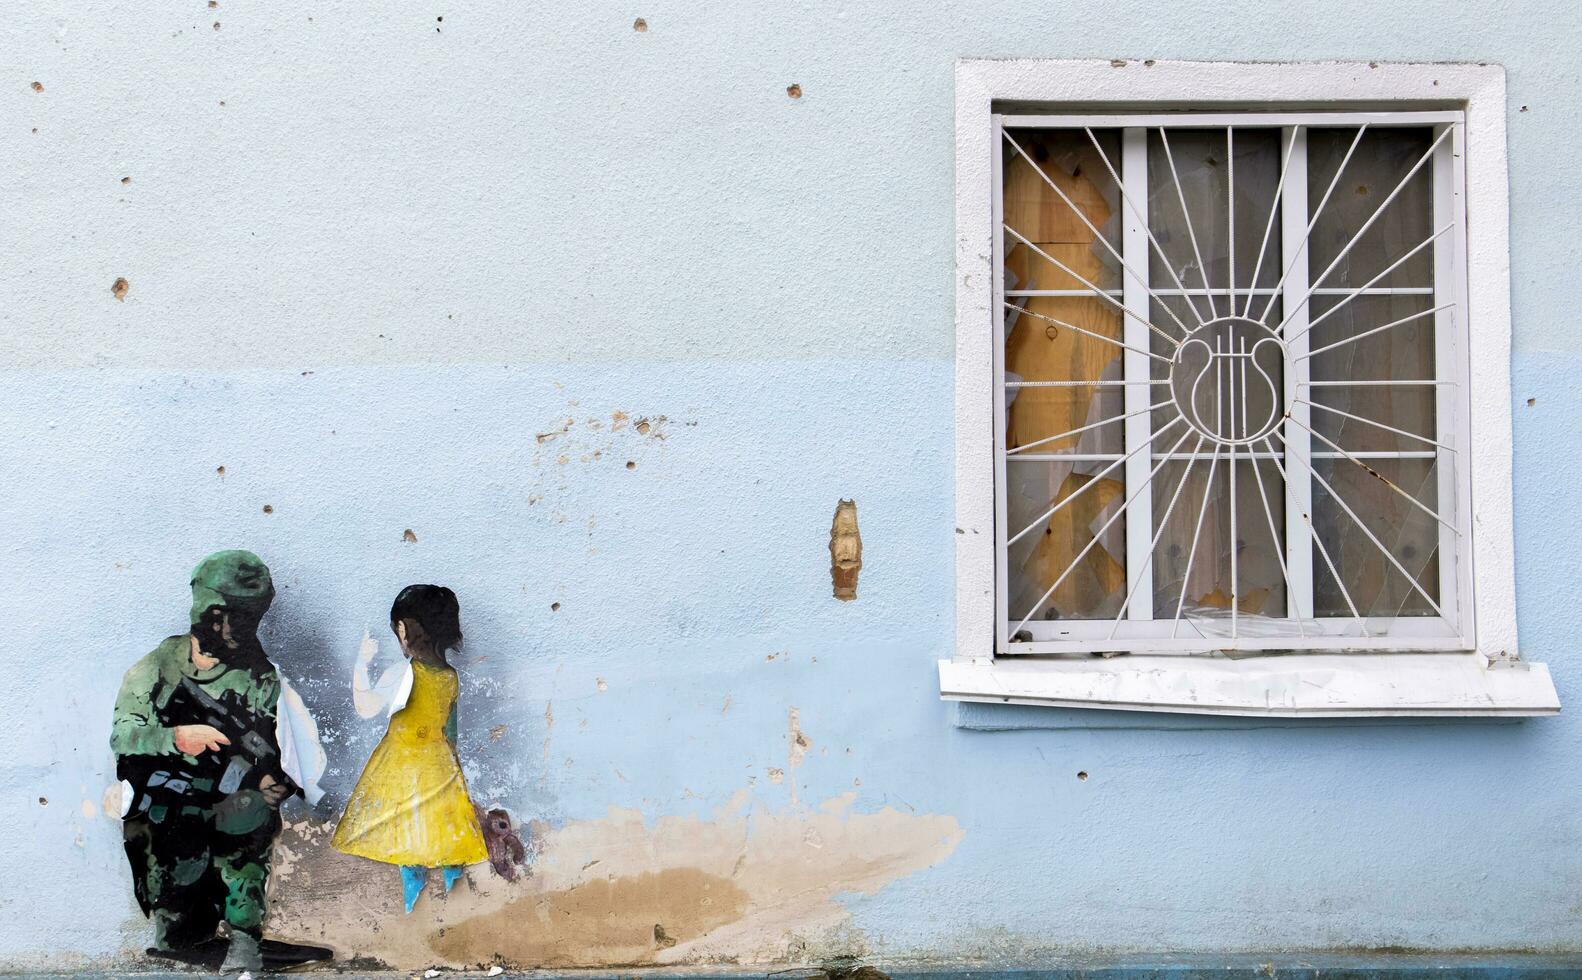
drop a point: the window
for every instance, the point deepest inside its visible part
(1241, 388)
(1213, 436)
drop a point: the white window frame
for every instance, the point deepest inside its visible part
(1480, 672)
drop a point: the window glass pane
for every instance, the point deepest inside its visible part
(1396, 342)
(1260, 583)
(1040, 213)
(1091, 586)
(1381, 160)
(1400, 353)
(1038, 420)
(1376, 586)
(1061, 338)
(1199, 158)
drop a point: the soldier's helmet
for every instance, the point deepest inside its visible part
(231, 580)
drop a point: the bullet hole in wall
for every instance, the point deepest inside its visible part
(43, 801)
(269, 508)
(126, 180)
(640, 25)
(1082, 776)
(38, 86)
(554, 607)
(408, 536)
(1531, 402)
(219, 471)
(119, 288)
(632, 464)
(216, 25)
(794, 90)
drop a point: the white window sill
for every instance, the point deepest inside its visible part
(1280, 686)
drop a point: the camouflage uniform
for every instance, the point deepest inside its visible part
(198, 854)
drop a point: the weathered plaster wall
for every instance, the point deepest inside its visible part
(395, 272)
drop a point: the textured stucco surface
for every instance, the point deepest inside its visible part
(404, 248)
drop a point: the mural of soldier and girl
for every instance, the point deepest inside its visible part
(210, 740)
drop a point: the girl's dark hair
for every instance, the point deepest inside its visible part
(435, 610)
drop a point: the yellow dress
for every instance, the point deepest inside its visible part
(411, 806)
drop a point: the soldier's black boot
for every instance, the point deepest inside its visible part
(281, 955)
(174, 932)
(244, 956)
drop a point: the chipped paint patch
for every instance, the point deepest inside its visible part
(110, 801)
(744, 884)
(797, 745)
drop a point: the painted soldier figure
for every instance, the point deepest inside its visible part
(196, 748)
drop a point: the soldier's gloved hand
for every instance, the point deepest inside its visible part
(273, 792)
(198, 739)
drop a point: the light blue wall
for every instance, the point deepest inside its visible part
(403, 248)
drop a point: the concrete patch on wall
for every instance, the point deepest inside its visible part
(745, 884)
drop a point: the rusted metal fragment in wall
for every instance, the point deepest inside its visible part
(845, 551)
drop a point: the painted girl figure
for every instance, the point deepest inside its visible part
(410, 807)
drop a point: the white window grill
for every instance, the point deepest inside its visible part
(1231, 385)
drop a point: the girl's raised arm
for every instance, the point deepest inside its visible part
(371, 697)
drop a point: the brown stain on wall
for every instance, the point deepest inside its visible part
(744, 884)
(621, 917)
